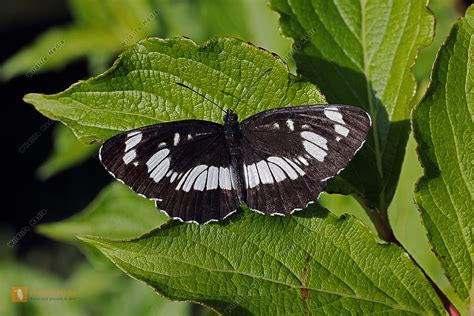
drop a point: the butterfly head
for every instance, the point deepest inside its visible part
(230, 118)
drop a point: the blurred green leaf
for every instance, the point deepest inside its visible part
(112, 293)
(67, 152)
(15, 274)
(116, 213)
(360, 53)
(249, 20)
(264, 265)
(140, 89)
(100, 27)
(443, 129)
(96, 292)
(445, 18)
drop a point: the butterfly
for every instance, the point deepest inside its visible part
(275, 162)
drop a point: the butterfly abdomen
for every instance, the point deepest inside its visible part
(233, 136)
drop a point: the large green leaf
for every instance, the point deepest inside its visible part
(360, 53)
(140, 89)
(116, 213)
(443, 126)
(262, 265)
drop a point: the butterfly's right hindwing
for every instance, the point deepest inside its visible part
(184, 166)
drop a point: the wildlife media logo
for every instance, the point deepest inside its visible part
(19, 294)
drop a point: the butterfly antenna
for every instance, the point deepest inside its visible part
(252, 86)
(202, 95)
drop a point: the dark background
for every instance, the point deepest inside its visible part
(24, 195)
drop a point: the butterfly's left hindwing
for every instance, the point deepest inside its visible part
(184, 166)
(289, 153)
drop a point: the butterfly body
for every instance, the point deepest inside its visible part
(275, 162)
(233, 135)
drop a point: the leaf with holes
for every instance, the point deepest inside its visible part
(360, 53)
(263, 265)
(443, 129)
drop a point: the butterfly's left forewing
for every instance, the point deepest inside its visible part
(184, 166)
(289, 153)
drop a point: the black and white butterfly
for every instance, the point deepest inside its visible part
(275, 162)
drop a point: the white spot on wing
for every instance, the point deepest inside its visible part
(160, 170)
(290, 124)
(129, 156)
(161, 145)
(133, 141)
(277, 173)
(254, 179)
(176, 139)
(195, 172)
(341, 130)
(181, 182)
(264, 172)
(224, 178)
(173, 177)
(200, 183)
(276, 125)
(285, 166)
(156, 159)
(246, 176)
(316, 139)
(190, 136)
(212, 178)
(303, 160)
(295, 166)
(314, 150)
(335, 116)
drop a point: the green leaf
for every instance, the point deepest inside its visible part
(140, 89)
(360, 53)
(116, 213)
(67, 152)
(264, 265)
(100, 27)
(443, 129)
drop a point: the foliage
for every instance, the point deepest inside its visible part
(252, 264)
(443, 129)
(91, 291)
(359, 53)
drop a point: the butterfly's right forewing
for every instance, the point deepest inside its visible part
(184, 166)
